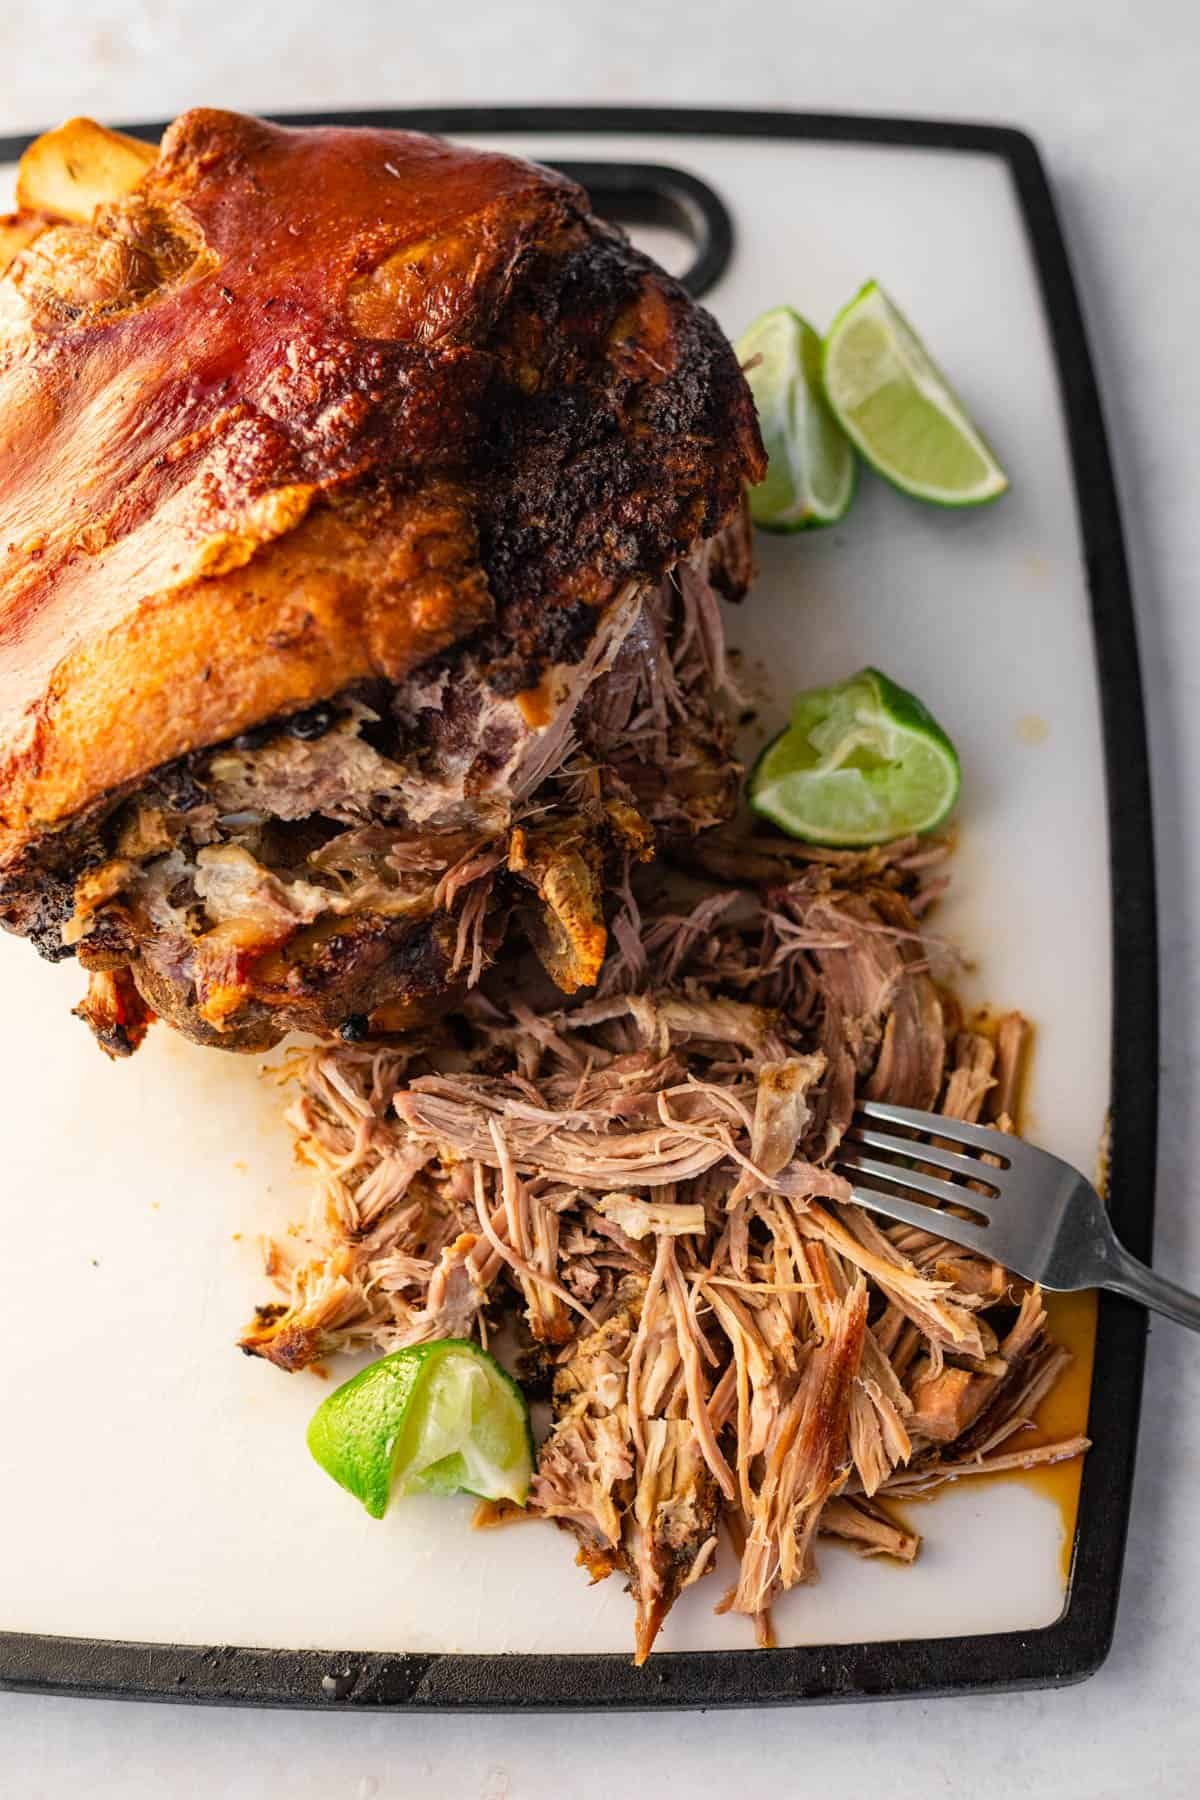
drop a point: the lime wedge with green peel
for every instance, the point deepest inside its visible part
(900, 411)
(810, 465)
(861, 763)
(440, 1418)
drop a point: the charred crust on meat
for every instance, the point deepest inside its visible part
(38, 909)
(176, 784)
(311, 722)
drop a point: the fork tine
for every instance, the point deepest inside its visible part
(969, 1167)
(955, 1131)
(925, 1218)
(943, 1191)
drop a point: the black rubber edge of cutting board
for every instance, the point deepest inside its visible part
(1077, 1643)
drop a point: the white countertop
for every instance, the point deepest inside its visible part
(1112, 103)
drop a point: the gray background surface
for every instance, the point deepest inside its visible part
(1110, 92)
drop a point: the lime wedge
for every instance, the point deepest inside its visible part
(442, 1418)
(810, 465)
(900, 411)
(861, 763)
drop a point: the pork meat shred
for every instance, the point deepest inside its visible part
(643, 1179)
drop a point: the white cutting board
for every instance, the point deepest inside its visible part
(154, 1484)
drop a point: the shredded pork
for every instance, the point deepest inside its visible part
(643, 1177)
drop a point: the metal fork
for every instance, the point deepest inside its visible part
(1033, 1213)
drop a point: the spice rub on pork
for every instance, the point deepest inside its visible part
(366, 505)
(643, 1178)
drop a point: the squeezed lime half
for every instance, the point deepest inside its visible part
(899, 410)
(862, 762)
(440, 1418)
(810, 464)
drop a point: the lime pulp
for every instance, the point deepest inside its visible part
(900, 411)
(442, 1418)
(861, 762)
(810, 464)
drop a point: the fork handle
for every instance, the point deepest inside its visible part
(1124, 1274)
